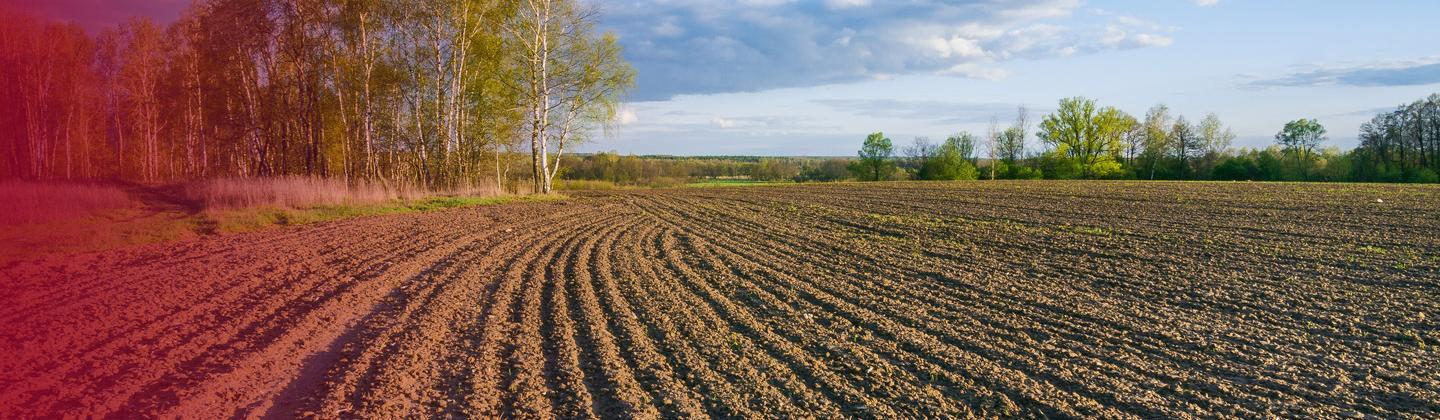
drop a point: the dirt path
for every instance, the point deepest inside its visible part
(886, 300)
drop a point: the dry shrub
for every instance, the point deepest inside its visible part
(583, 184)
(667, 182)
(38, 202)
(310, 192)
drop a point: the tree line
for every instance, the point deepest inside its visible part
(430, 93)
(632, 170)
(1083, 140)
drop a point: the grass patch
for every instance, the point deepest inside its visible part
(246, 220)
(1371, 249)
(1094, 231)
(731, 182)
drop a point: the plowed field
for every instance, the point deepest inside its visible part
(1053, 299)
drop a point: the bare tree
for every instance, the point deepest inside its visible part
(1185, 143)
(992, 137)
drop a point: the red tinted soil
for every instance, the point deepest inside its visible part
(881, 300)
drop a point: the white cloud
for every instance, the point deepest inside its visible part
(627, 116)
(1151, 40)
(669, 29)
(1042, 9)
(975, 71)
(954, 46)
(722, 122)
(1205, 3)
(846, 4)
(1413, 72)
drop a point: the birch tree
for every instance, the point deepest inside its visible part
(573, 79)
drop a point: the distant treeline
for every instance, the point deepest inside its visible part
(1081, 141)
(657, 170)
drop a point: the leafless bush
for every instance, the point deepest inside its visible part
(37, 202)
(309, 192)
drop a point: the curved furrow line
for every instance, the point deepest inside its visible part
(453, 359)
(778, 357)
(925, 347)
(569, 386)
(527, 391)
(655, 372)
(581, 388)
(262, 377)
(84, 285)
(872, 371)
(442, 391)
(1228, 375)
(832, 299)
(815, 373)
(909, 387)
(682, 336)
(399, 338)
(150, 324)
(525, 385)
(349, 368)
(1141, 313)
(850, 294)
(483, 340)
(189, 352)
(606, 363)
(752, 370)
(925, 323)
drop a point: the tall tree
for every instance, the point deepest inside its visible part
(1185, 144)
(993, 144)
(951, 160)
(1012, 140)
(1156, 134)
(917, 153)
(875, 157)
(140, 75)
(1215, 140)
(1300, 138)
(964, 144)
(573, 79)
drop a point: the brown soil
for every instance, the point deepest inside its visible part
(1030, 299)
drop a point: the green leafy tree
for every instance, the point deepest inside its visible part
(1156, 136)
(1300, 138)
(951, 161)
(1089, 138)
(875, 163)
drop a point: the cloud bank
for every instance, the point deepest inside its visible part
(706, 46)
(1405, 73)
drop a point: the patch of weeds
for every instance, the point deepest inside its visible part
(1411, 337)
(1096, 231)
(1370, 249)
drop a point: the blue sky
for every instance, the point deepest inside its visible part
(796, 77)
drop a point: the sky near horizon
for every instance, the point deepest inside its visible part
(813, 77)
